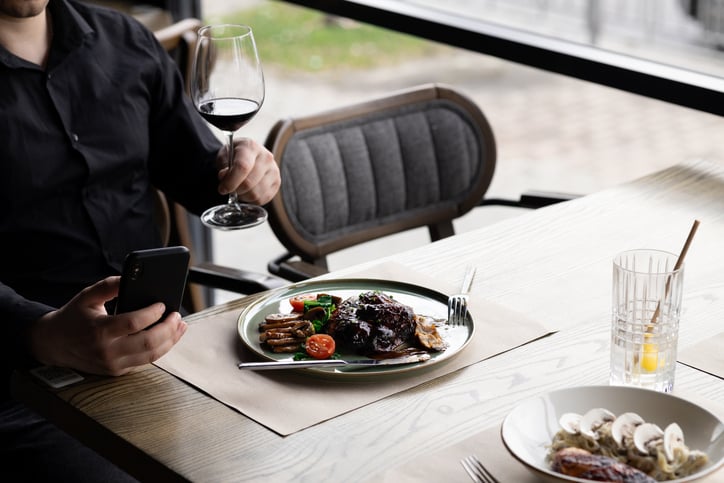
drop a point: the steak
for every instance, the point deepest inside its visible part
(371, 323)
(582, 464)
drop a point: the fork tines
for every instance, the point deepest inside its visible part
(475, 469)
(457, 304)
(457, 310)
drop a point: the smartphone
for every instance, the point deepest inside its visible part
(155, 275)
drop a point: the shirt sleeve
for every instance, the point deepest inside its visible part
(183, 147)
(16, 314)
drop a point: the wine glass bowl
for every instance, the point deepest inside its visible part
(227, 89)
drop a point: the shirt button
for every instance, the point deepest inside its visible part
(50, 76)
(74, 136)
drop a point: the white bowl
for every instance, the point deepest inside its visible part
(529, 428)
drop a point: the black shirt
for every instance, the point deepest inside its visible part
(82, 143)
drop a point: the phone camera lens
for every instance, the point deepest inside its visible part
(136, 271)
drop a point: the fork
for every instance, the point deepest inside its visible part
(475, 469)
(457, 304)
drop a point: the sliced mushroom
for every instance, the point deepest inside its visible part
(278, 318)
(645, 437)
(673, 438)
(593, 420)
(427, 334)
(570, 422)
(624, 426)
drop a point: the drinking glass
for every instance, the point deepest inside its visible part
(647, 292)
(227, 89)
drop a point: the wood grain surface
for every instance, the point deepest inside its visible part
(553, 264)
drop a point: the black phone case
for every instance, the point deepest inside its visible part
(155, 275)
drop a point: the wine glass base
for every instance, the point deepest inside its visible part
(234, 216)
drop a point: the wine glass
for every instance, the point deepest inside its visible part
(227, 89)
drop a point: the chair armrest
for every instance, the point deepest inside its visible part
(233, 280)
(531, 199)
(294, 270)
(539, 199)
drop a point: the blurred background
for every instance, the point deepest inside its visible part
(553, 132)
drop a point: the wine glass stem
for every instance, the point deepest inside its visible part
(233, 197)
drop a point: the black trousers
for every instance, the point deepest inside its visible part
(33, 449)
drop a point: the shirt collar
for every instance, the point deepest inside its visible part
(70, 30)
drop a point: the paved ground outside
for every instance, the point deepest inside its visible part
(553, 133)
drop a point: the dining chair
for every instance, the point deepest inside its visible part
(420, 157)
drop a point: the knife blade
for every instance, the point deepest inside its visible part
(261, 366)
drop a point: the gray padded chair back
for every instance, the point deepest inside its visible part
(421, 157)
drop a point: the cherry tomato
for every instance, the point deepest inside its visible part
(298, 301)
(320, 346)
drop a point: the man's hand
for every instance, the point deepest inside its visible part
(81, 335)
(254, 174)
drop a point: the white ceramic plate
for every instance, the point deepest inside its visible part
(423, 301)
(530, 427)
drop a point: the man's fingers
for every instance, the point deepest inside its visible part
(148, 346)
(253, 174)
(100, 292)
(238, 170)
(132, 322)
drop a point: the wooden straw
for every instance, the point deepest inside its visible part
(677, 266)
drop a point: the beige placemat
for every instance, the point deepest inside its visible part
(444, 464)
(287, 402)
(707, 355)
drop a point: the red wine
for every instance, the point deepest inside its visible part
(228, 113)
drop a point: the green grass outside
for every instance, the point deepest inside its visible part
(302, 39)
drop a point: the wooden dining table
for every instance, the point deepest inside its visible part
(552, 264)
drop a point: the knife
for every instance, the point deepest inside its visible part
(260, 366)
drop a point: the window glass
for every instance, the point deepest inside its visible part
(684, 33)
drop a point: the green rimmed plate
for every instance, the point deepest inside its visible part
(423, 301)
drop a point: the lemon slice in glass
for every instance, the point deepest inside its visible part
(650, 357)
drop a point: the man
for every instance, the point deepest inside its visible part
(93, 117)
